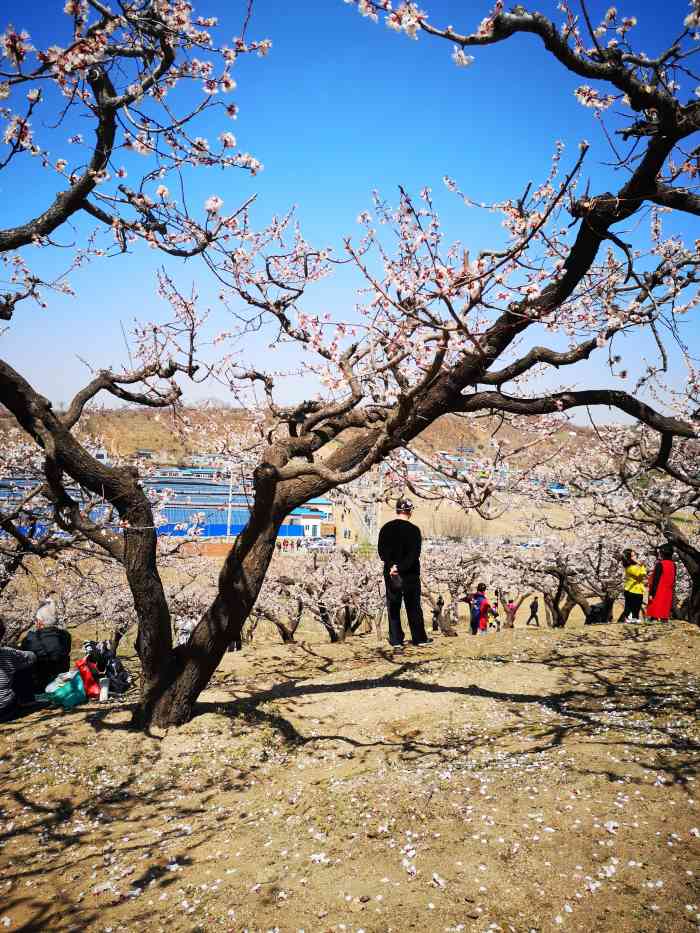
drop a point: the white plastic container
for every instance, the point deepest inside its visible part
(104, 689)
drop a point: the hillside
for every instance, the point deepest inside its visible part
(124, 431)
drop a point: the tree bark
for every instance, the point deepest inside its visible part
(154, 640)
(324, 618)
(288, 631)
(689, 555)
(693, 610)
(690, 609)
(285, 634)
(240, 581)
(559, 612)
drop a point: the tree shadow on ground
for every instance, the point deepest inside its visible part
(101, 822)
(601, 691)
(606, 692)
(59, 849)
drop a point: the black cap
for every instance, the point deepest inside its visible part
(404, 505)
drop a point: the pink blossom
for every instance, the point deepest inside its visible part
(14, 44)
(213, 204)
(460, 58)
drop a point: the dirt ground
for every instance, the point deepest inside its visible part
(527, 780)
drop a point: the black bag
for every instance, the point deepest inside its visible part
(120, 680)
(395, 582)
(108, 665)
(97, 653)
(598, 614)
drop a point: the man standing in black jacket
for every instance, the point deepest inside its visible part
(399, 548)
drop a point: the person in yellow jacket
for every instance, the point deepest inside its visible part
(635, 577)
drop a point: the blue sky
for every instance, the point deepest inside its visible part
(338, 108)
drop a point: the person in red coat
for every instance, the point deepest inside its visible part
(661, 583)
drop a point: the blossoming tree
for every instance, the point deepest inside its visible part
(623, 496)
(436, 330)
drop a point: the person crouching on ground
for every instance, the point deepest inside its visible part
(51, 644)
(16, 683)
(399, 547)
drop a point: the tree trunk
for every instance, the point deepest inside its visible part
(249, 632)
(172, 701)
(325, 620)
(444, 616)
(690, 608)
(557, 611)
(154, 640)
(348, 620)
(548, 611)
(378, 626)
(284, 633)
(689, 555)
(565, 611)
(693, 613)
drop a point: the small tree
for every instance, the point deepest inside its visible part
(628, 498)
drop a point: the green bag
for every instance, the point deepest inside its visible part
(70, 693)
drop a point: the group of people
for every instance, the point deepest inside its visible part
(660, 584)
(45, 650)
(286, 545)
(43, 654)
(484, 615)
(399, 548)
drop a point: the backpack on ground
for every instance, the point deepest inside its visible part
(69, 693)
(62, 678)
(120, 680)
(101, 654)
(89, 673)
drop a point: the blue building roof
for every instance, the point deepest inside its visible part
(192, 501)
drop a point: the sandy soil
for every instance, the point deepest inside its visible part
(530, 780)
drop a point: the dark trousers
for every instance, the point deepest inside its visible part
(47, 669)
(633, 605)
(23, 684)
(23, 687)
(410, 595)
